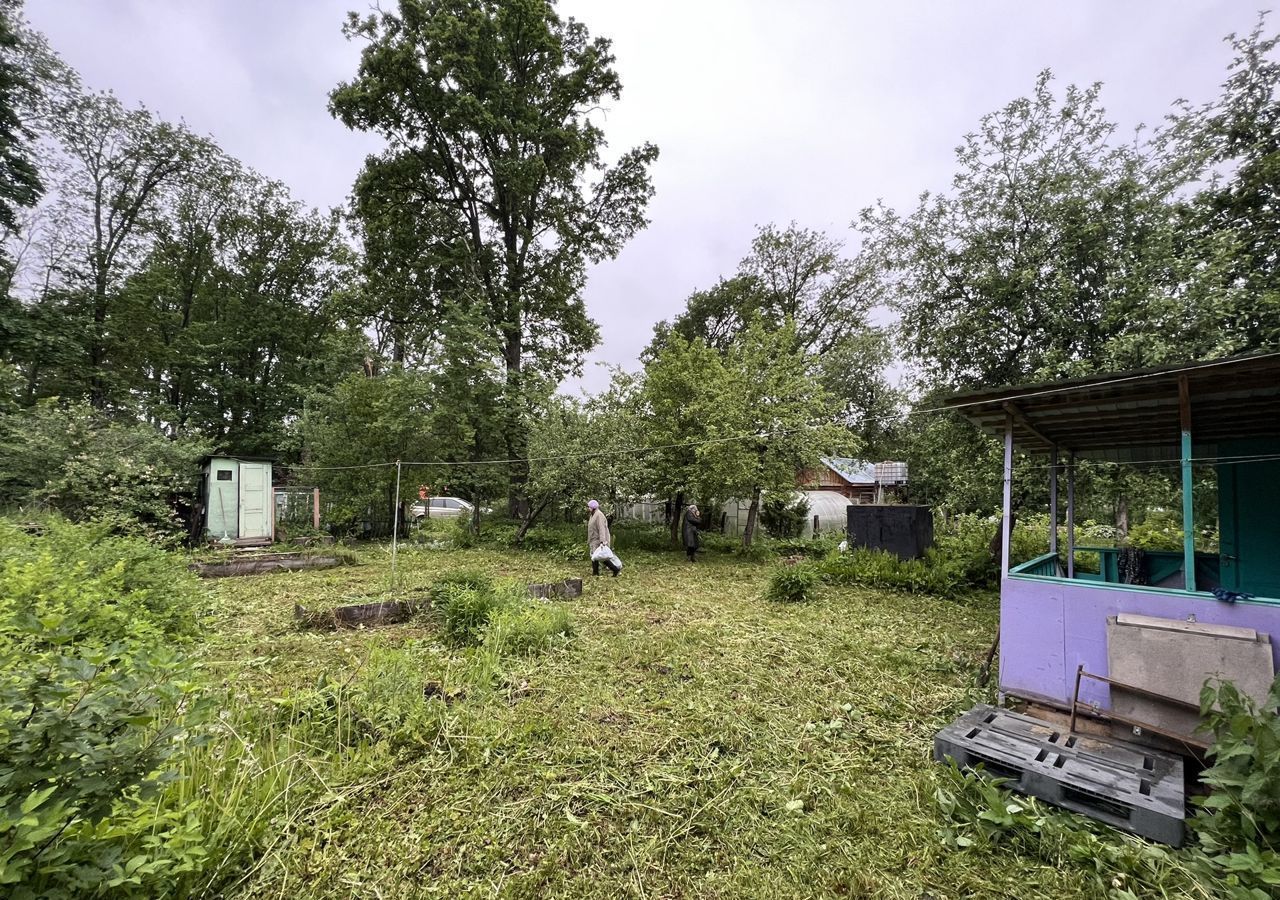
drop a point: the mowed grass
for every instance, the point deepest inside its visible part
(692, 740)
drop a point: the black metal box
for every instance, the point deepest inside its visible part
(905, 531)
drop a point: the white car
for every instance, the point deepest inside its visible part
(441, 508)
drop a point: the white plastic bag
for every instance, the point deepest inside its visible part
(604, 553)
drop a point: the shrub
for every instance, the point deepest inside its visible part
(100, 587)
(528, 627)
(784, 517)
(95, 700)
(792, 584)
(1239, 823)
(934, 574)
(461, 535)
(74, 460)
(466, 610)
(1160, 530)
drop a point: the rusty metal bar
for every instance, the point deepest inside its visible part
(1112, 716)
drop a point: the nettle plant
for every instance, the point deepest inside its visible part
(96, 700)
(1239, 822)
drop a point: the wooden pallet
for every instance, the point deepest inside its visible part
(1124, 785)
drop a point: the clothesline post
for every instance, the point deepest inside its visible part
(395, 528)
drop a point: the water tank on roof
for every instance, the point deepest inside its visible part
(891, 473)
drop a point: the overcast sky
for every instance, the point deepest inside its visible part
(764, 110)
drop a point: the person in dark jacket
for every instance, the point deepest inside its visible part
(692, 539)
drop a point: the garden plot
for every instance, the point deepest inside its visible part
(690, 740)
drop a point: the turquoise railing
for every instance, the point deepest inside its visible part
(1158, 565)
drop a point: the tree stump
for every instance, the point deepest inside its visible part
(570, 587)
(387, 612)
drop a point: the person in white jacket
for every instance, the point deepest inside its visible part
(598, 536)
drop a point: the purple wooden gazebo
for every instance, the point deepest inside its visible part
(1053, 614)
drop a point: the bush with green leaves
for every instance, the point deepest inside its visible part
(528, 627)
(96, 699)
(792, 584)
(784, 517)
(934, 574)
(465, 609)
(980, 816)
(1239, 821)
(74, 460)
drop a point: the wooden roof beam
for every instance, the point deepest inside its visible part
(1019, 417)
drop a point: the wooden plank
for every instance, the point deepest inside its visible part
(1226, 631)
(1021, 418)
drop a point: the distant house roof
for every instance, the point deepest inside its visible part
(854, 471)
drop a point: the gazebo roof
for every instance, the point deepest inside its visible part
(1118, 415)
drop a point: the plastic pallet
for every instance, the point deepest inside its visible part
(1124, 785)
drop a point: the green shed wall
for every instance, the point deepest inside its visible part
(1249, 519)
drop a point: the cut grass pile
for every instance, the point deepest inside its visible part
(691, 739)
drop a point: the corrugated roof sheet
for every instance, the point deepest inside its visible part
(1137, 412)
(854, 471)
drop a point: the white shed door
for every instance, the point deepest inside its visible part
(255, 491)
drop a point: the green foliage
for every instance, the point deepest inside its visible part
(1239, 822)
(525, 628)
(981, 816)
(800, 276)
(86, 585)
(493, 103)
(570, 443)
(932, 575)
(20, 184)
(1159, 530)
(96, 699)
(1052, 229)
(465, 611)
(796, 583)
(83, 465)
(382, 703)
(761, 415)
(1231, 228)
(784, 517)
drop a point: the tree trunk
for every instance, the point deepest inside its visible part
(97, 348)
(753, 513)
(997, 540)
(527, 522)
(1122, 517)
(515, 431)
(677, 516)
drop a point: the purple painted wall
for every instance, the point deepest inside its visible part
(1048, 627)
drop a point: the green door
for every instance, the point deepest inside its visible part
(1249, 519)
(255, 500)
(223, 513)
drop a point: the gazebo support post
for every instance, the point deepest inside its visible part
(1053, 501)
(1071, 514)
(1005, 523)
(1188, 484)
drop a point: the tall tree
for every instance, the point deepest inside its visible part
(800, 277)
(1052, 239)
(738, 424)
(20, 184)
(1234, 222)
(487, 108)
(121, 163)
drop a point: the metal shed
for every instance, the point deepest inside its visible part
(237, 497)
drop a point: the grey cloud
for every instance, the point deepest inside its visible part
(765, 111)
